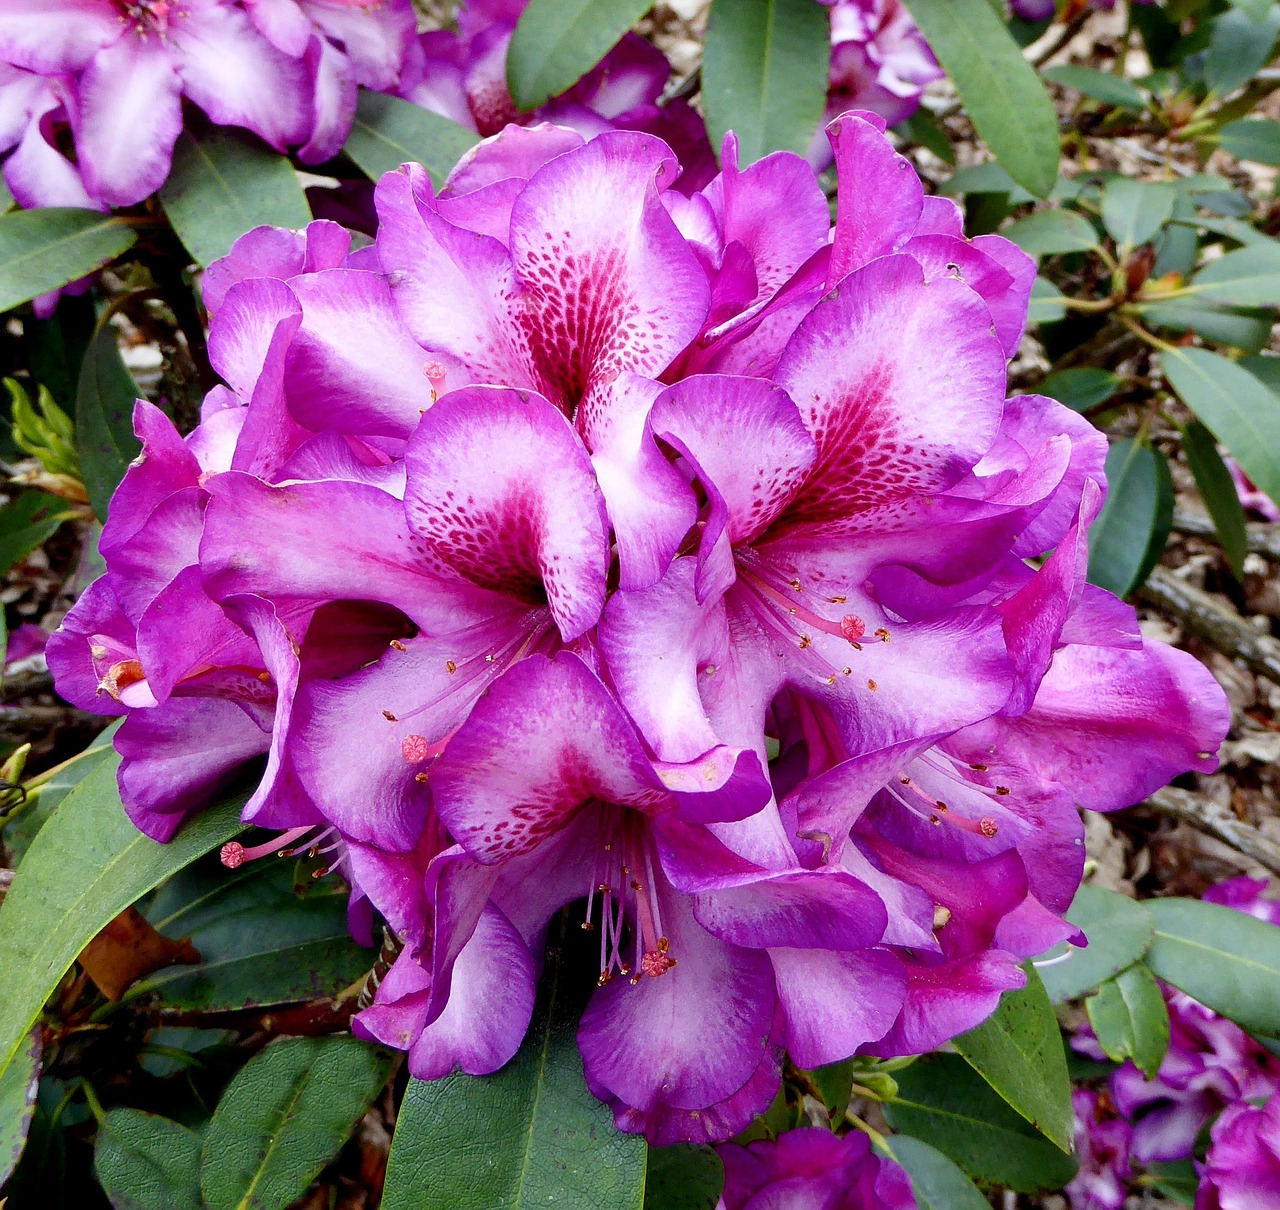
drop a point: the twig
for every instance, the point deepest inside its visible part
(1064, 35)
(1263, 538)
(1200, 614)
(682, 90)
(1217, 821)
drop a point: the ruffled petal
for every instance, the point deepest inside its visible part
(901, 386)
(57, 36)
(126, 118)
(502, 490)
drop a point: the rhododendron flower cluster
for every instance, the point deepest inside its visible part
(674, 555)
(1211, 1066)
(110, 77)
(462, 76)
(812, 1167)
(880, 62)
(1242, 1169)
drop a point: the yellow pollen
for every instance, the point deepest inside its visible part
(451, 667)
(847, 671)
(1002, 790)
(797, 585)
(805, 641)
(422, 777)
(882, 634)
(398, 645)
(391, 718)
(872, 686)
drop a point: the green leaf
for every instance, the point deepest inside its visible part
(558, 41)
(835, 1082)
(1048, 232)
(1081, 389)
(19, 1083)
(1130, 1019)
(1098, 85)
(1176, 1179)
(22, 829)
(1119, 931)
(937, 1182)
(147, 1162)
(283, 1117)
(1265, 369)
(1246, 328)
(1000, 90)
(923, 128)
(764, 74)
(27, 523)
(1238, 409)
(1239, 49)
(1127, 539)
(1047, 302)
(1134, 211)
(985, 178)
(226, 182)
(941, 1098)
(86, 865)
(1227, 960)
(1248, 277)
(1218, 491)
(1019, 1052)
(683, 1177)
(104, 419)
(544, 1132)
(1256, 10)
(1256, 139)
(41, 250)
(388, 132)
(260, 942)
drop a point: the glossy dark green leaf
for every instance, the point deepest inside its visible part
(260, 941)
(937, 1182)
(1239, 48)
(1130, 1019)
(388, 132)
(1081, 389)
(41, 250)
(1248, 277)
(225, 182)
(27, 522)
(1119, 931)
(1047, 302)
(1227, 960)
(558, 41)
(1048, 232)
(1000, 90)
(147, 1162)
(1019, 1052)
(19, 1083)
(1244, 328)
(283, 1117)
(1256, 139)
(104, 419)
(942, 1099)
(764, 74)
(1127, 539)
(545, 1136)
(1098, 85)
(1255, 10)
(86, 865)
(1238, 409)
(683, 1177)
(1133, 211)
(1218, 491)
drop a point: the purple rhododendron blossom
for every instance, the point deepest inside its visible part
(588, 539)
(463, 76)
(812, 1169)
(1242, 1169)
(1102, 1146)
(1043, 10)
(880, 62)
(1252, 498)
(115, 76)
(1211, 1063)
